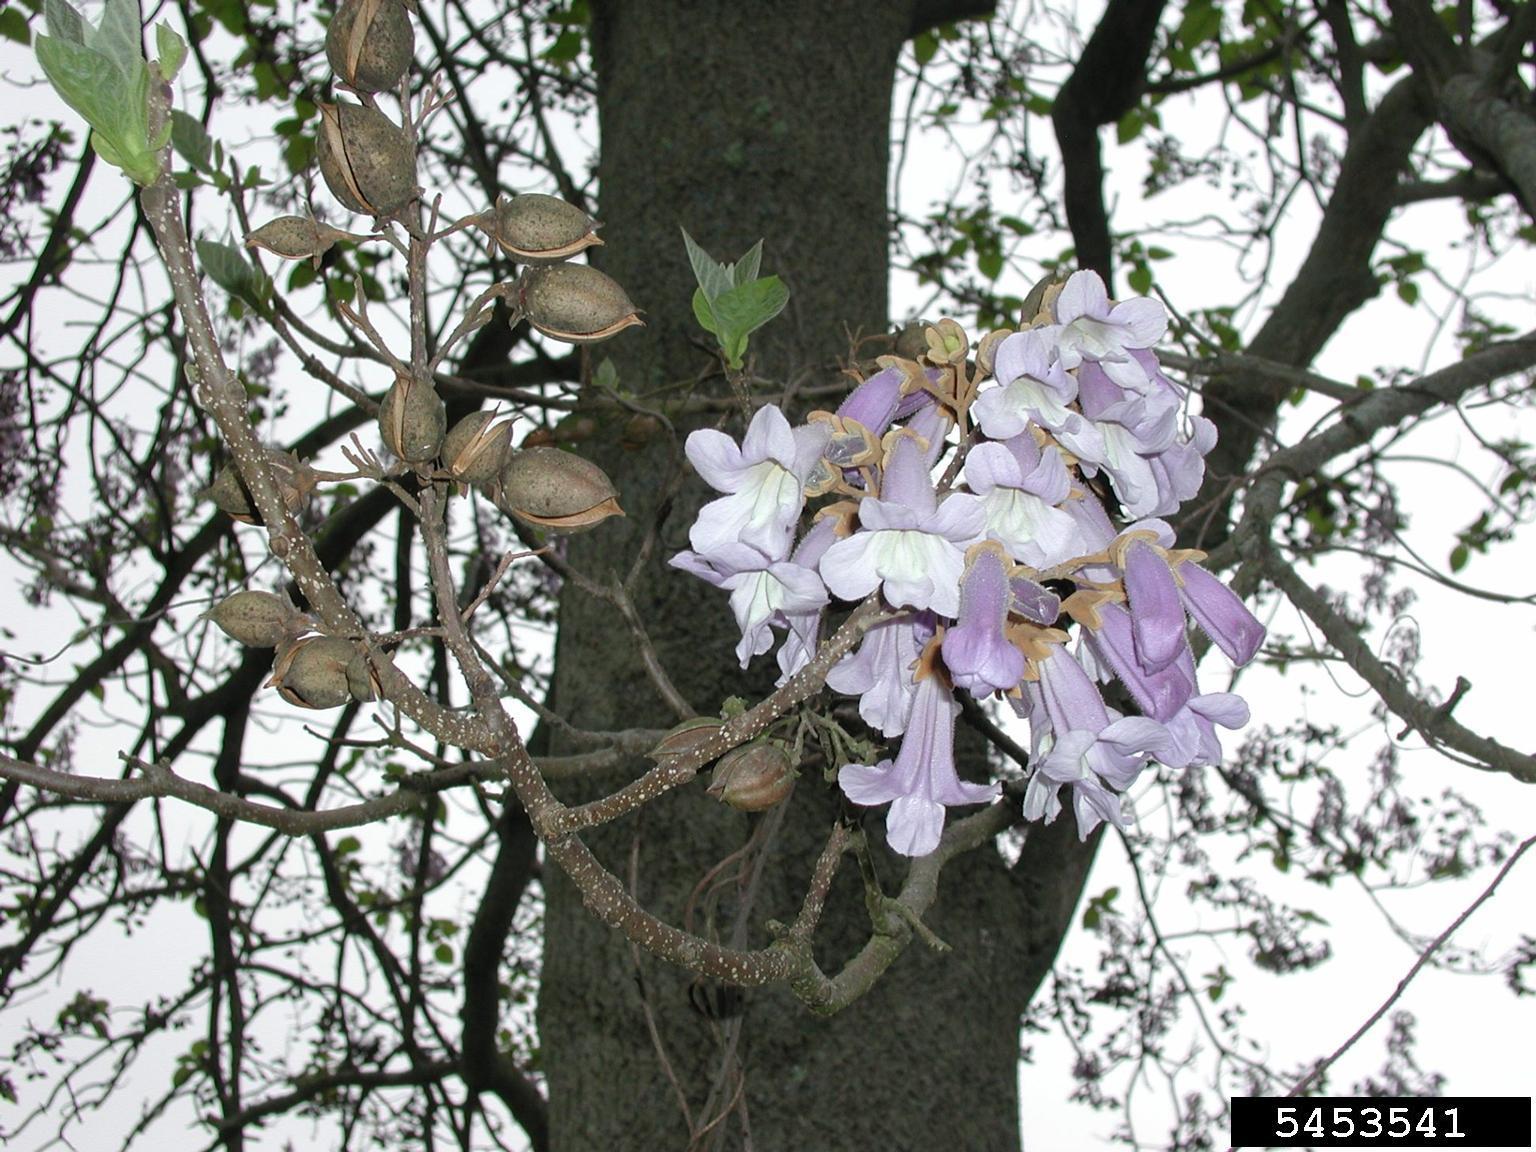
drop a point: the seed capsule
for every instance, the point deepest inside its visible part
(412, 420)
(538, 229)
(312, 672)
(556, 490)
(370, 44)
(476, 447)
(228, 493)
(297, 237)
(754, 777)
(366, 159)
(575, 303)
(255, 619)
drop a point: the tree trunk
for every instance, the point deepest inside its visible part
(739, 121)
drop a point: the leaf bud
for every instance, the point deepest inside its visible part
(366, 159)
(256, 619)
(575, 303)
(370, 44)
(556, 490)
(475, 447)
(538, 229)
(312, 672)
(754, 777)
(412, 420)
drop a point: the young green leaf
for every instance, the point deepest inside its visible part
(713, 277)
(172, 50)
(120, 36)
(227, 267)
(64, 22)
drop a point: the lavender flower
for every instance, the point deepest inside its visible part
(922, 780)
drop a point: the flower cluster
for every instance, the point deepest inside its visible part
(994, 565)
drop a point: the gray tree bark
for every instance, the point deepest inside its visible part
(739, 121)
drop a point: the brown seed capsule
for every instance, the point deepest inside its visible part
(366, 159)
(370, 44)
(476, 447)
(297, 237)
(256, 619)
(754, 777)
(556, 490)
(312, 672)
(575, 303)
(538, 229)
(412, 420)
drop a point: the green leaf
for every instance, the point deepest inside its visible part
(191, 141)
(120, 36)
(13, 26)
(112, 98)
(1140, 279)
(990, 263)
(745, 309)
(64, 22)
(745, 270)
(1459, 557)
(172, 50)
(712, 276)
(924, 47)
(227, 267)
(704, 313)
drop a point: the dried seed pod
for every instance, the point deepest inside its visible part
(366, 159)
(475, 447)
(228, 492)
(412, 420)
(362, 680)
(297, 237)
(538, 229)
(312, 672)
(575, 303)
(754, 777)
(370, 44)
(256, 619)
(556, 490)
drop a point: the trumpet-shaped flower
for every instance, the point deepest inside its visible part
(1020, 486)
(764, 480)
(1033, 386)
(879, 672)
(976, 650)
(1091, 329)
(922, 780)
(763, 591)
(910, 544)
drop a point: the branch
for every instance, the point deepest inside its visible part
(1433, 722)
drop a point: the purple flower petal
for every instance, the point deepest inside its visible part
(1220, 614)
(1157, 611)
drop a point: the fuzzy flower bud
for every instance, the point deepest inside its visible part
(754, 777)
